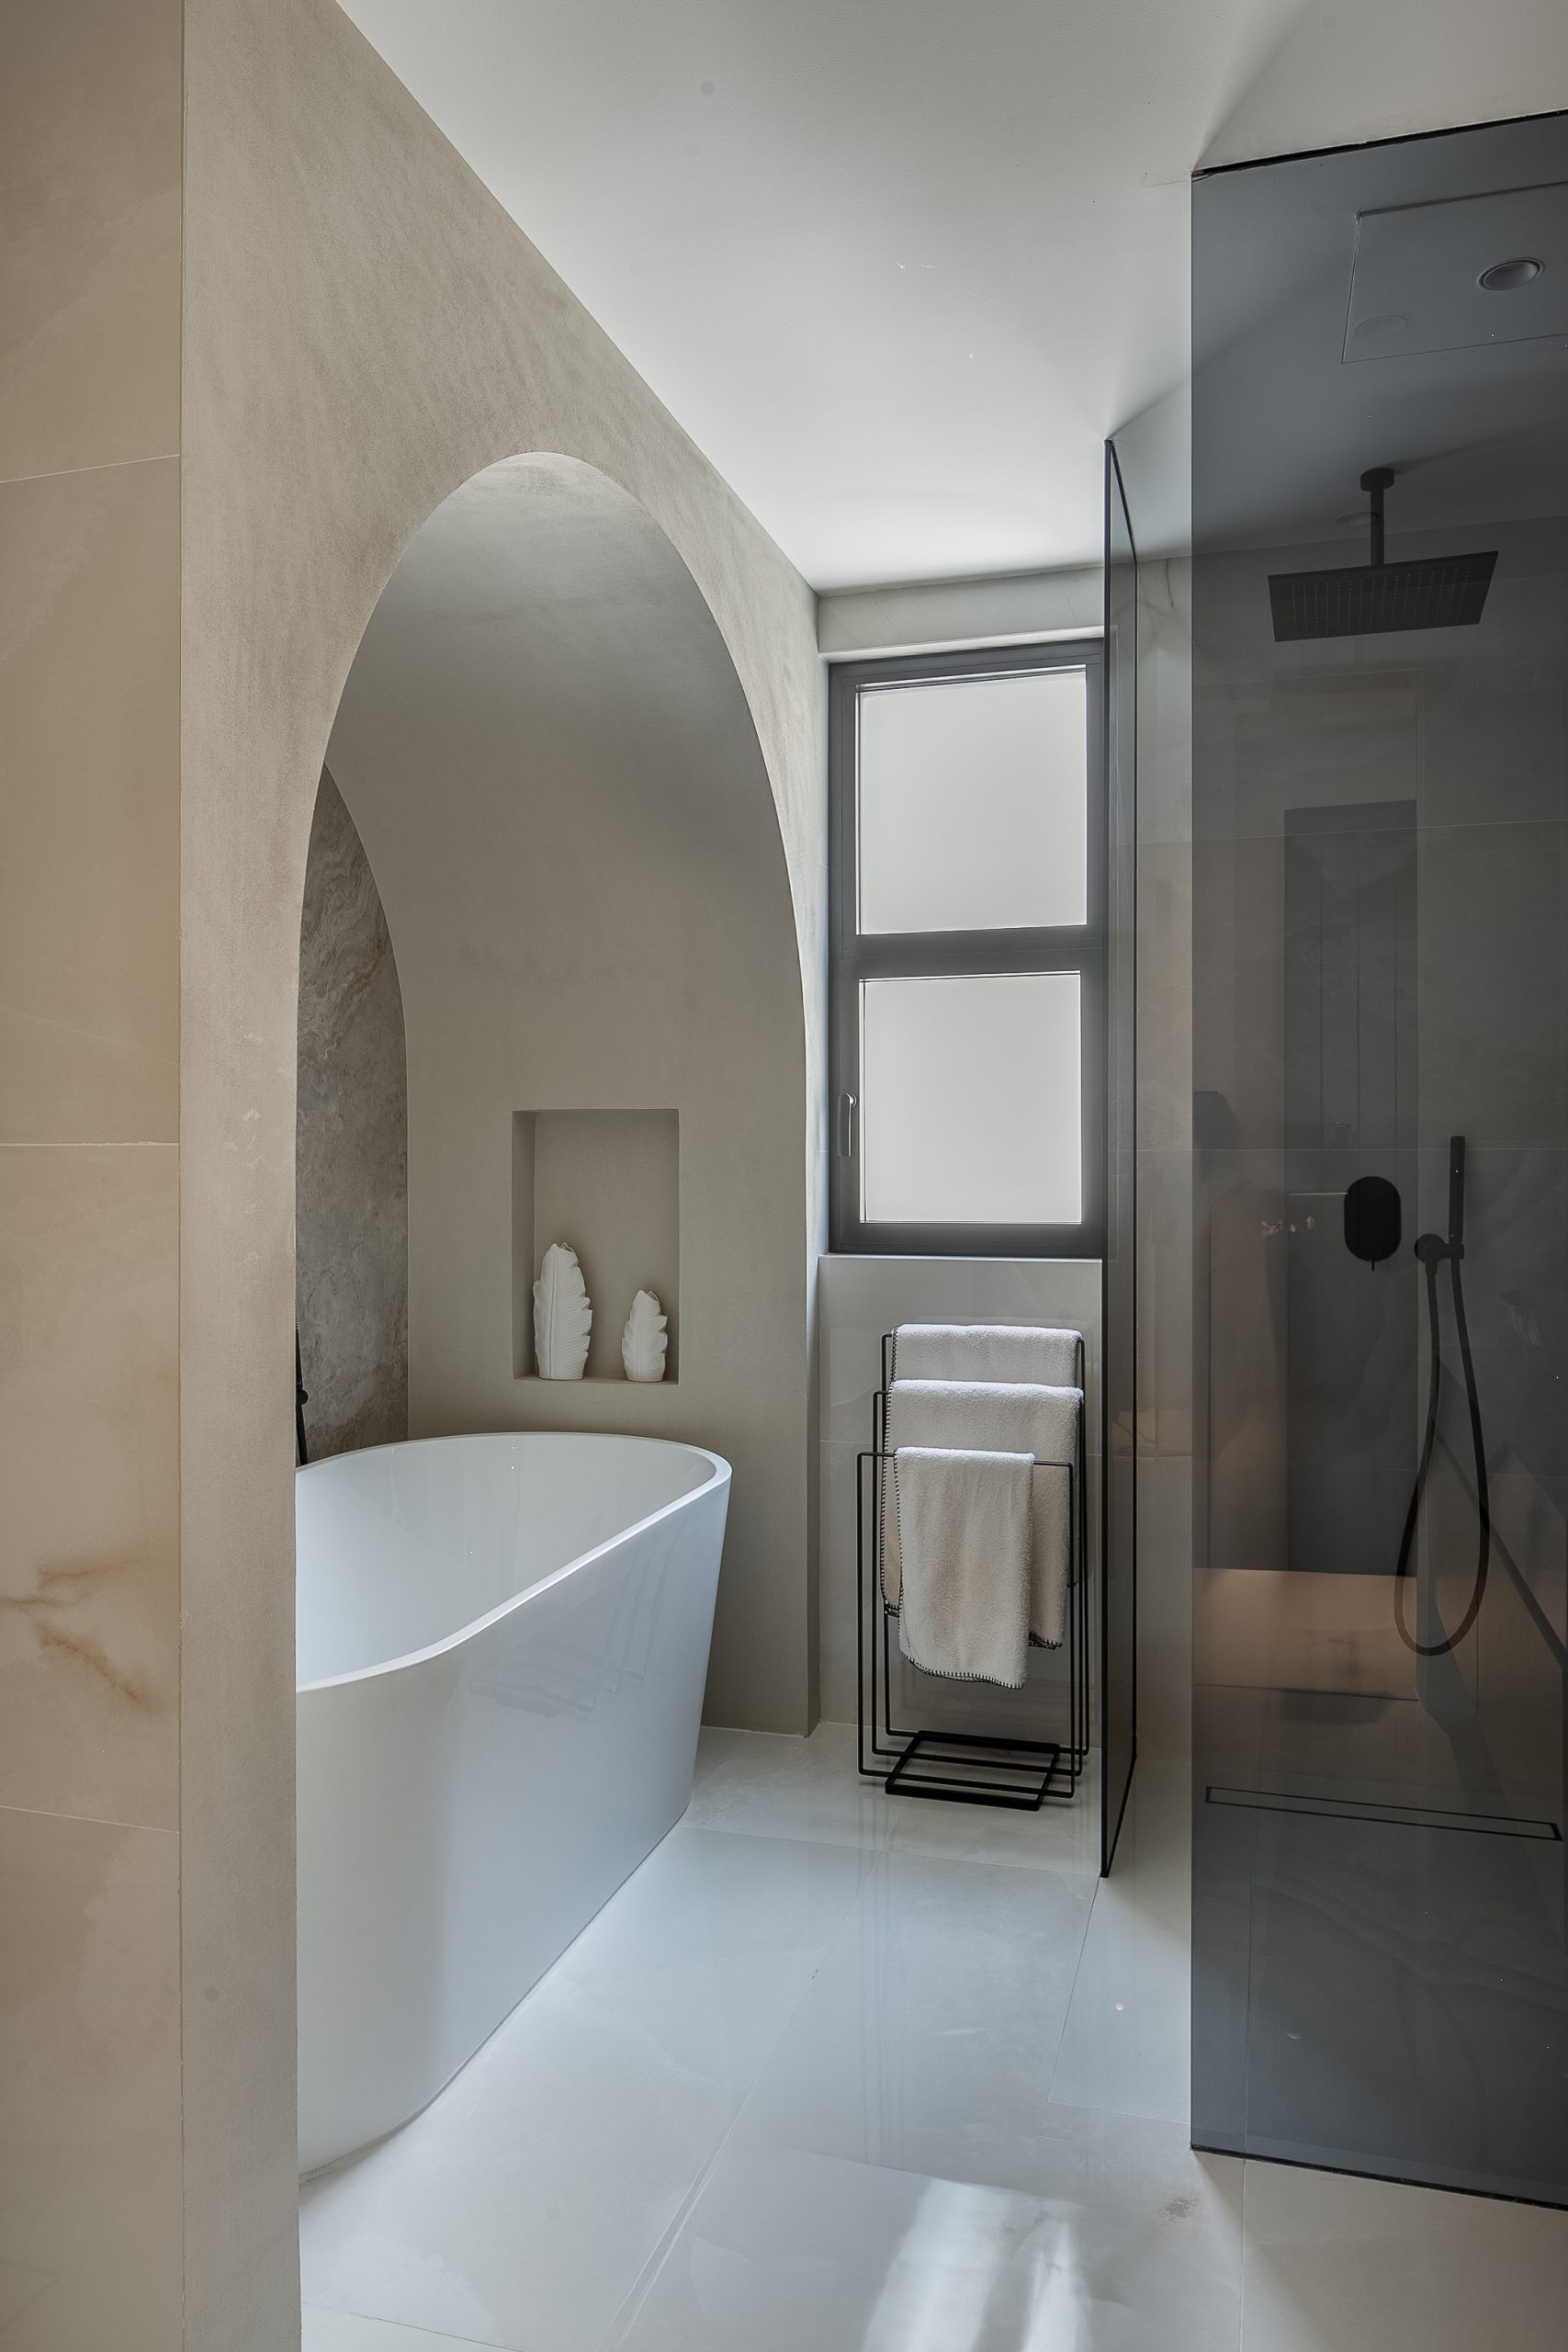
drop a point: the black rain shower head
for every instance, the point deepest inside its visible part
(1361, 600)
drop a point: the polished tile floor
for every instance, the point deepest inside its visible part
(840, 2073)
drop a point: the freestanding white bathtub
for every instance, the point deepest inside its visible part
(501, 1645)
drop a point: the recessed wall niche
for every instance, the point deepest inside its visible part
(609, 1183)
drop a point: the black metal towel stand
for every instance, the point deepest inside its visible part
(964, 1768)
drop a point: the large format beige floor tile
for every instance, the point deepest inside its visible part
(329, 2331)
(523, 2206)
(90, 2059)
(1337, 2264)
(791, 2252)
(89, 1483)
(90, 130)
(1125, 2046)
(770, 1784)
(927, 2041)
(89, 884)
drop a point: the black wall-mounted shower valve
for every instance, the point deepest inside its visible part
(1373, 1223)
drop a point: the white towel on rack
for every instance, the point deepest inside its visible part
(996, 1417)
(1007, 1352)
(964, 1521)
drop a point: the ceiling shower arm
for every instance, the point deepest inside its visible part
(1376, 481)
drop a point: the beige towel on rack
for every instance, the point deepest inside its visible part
(963, 1527)
(1007, 1352)
(996, 1417)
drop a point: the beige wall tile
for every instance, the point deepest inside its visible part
(89, 886)
(89, 2054)
(89, 1482)
(859, 1299)
(1164, 1606)
(90, 268)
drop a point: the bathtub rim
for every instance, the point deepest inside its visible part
(720, 1473)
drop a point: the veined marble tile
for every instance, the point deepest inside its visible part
(90, 2165)
(90, 126)
(927, 2040)
(89, 1477)
(703, 1899)
(521, 2208)
(329, 2331)
(1336, 2263)
(770, 1784)
(1125, 2046)
(1135, 2248)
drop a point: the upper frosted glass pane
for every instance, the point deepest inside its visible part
(974, 803)
(972, 1110)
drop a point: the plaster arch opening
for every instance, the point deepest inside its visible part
(549, 756)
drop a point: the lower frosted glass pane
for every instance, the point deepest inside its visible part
(972, 1109)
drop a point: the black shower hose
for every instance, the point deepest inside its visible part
(1431, 1252)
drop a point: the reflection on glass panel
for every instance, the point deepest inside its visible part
(1379, 924)
(973, 1110)
(1119, 1655)
(974, 803)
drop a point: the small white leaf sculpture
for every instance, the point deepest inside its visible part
(643, 1342)
(563, 1316)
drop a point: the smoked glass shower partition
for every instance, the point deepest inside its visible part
(1119, 1549)
(1380, 1160)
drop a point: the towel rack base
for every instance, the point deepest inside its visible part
(961, 1768)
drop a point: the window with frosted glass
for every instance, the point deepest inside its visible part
(973, 1099)
(968, 932)
(974, 803)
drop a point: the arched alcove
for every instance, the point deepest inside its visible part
(552, 765)
(365, 330)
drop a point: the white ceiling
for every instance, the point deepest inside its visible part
(899, 265)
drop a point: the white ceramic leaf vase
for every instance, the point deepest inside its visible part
(563, 1316)
(643, 1342)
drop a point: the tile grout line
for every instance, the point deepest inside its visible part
(875, 1856)
(407, 2327)
(643, 2285)
(1241, 2264)
(93, 1820)
(891, 1842)
(1073, 1990)
(104, 465)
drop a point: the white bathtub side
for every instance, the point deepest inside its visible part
(463, 1818)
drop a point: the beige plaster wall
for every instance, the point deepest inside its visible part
(365, 330)
(546, 746)
(90, 2183)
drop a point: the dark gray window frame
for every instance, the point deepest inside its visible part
(855, 956)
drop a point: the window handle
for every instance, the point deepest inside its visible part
(846, 1125)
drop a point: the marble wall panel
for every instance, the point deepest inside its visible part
(90, 2058)
(90, 263)
(89, 1470)
(89, 884)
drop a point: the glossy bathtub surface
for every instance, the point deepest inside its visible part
(502, 1644)
(404, 1546)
